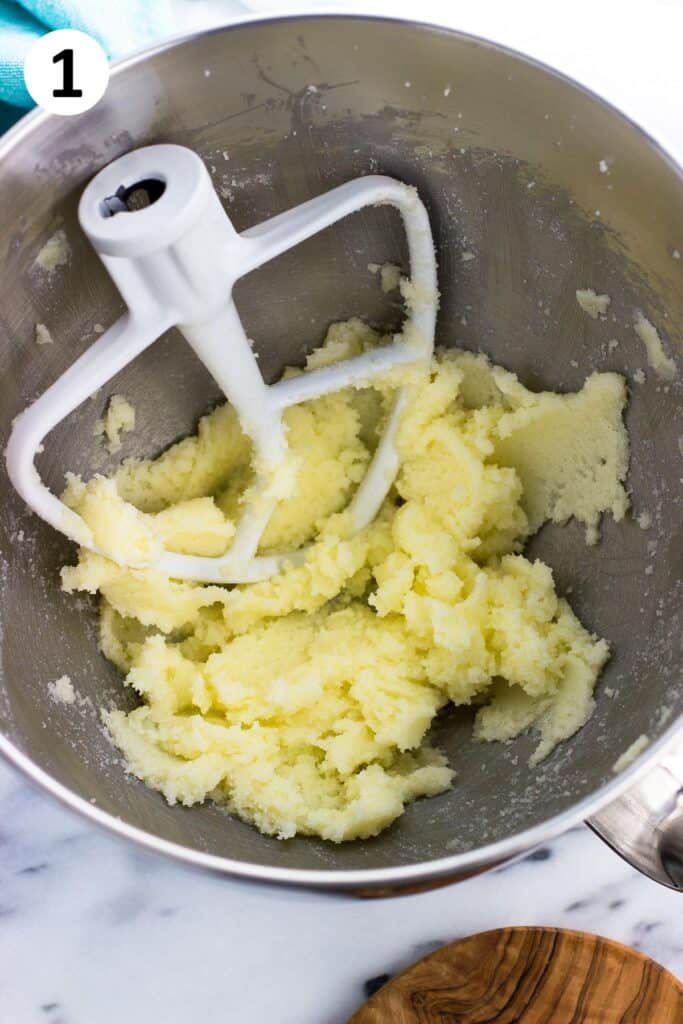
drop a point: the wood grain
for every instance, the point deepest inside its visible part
(529, 976)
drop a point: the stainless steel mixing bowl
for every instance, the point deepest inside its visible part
(506, 154)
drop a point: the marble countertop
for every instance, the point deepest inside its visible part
(94, 931)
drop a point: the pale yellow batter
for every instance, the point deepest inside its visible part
(303, 702)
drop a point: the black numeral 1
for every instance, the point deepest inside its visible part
(67, 90)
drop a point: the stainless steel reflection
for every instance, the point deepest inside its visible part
(645, 824)
(507, 155)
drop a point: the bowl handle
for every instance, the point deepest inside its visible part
(645, 824)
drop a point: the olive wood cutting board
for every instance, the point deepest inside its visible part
(529, 976)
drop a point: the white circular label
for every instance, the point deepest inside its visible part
(66, 72)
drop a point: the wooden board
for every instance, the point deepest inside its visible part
(529, 976)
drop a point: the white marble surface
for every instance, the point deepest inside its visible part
(93, 931)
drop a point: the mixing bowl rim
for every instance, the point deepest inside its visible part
(357, 878)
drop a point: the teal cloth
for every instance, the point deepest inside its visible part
(120, 27)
